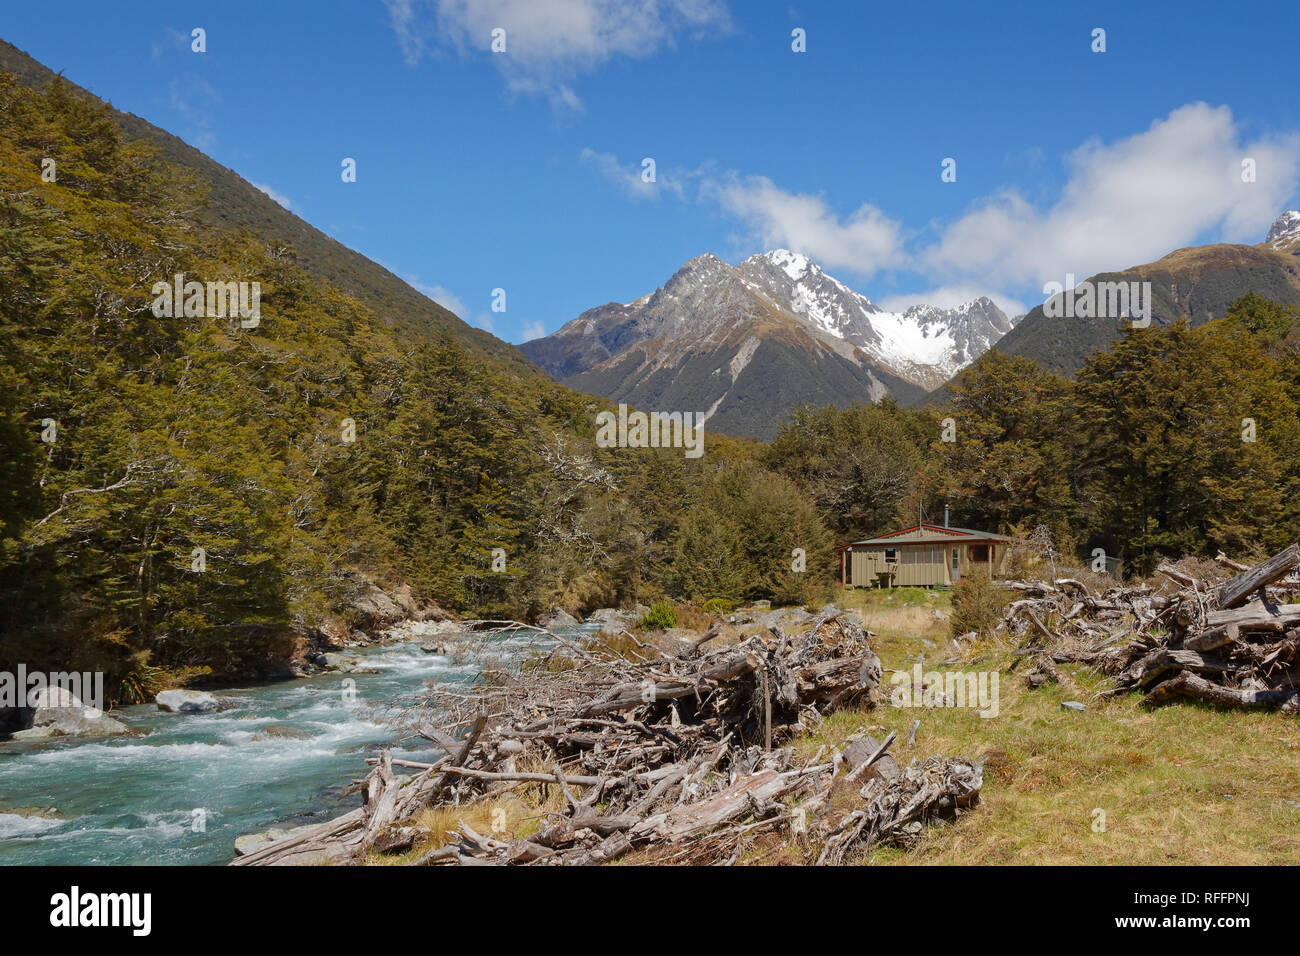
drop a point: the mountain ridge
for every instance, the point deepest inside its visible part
(1195, 282)
(713, 331)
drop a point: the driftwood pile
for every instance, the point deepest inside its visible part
(1230, 643)
(684, 754)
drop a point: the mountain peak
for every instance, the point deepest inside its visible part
(793, 264)
(1285, 227)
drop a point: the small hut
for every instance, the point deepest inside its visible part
(922, 556)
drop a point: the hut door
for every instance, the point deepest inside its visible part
(956, 565)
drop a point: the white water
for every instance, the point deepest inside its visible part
(131, 800)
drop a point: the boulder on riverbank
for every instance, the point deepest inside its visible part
(556, 619)
(368, 614)
(57, 712)
(281, 731)
(438, 631)
(612, 621)
(189, 702)
(345, 664)
(373, 608)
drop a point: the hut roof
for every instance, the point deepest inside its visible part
(929, 534)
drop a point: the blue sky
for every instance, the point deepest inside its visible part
(521, 170)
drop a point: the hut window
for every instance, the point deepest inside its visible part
(956, 560)
(891, 555)
(979, 552)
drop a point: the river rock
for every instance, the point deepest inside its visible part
(421, 630)
(346, 664)
(606, 614)
(74, 724)
(37, 813)
(341, 663)
(375, 607)
(50, 704)
(272, 731)
(435, 647)
(57, 712)
(614, 628)
(187, 702)
(558, 618)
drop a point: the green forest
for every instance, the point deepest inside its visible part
(183, 495)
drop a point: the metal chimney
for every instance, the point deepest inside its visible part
(945, 516)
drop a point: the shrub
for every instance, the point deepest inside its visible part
(976, 605)
(718, 606)
(660, 617)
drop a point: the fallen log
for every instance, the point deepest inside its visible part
(696, 819)
(1257, 616)
(1198, 688)
(1237, 590)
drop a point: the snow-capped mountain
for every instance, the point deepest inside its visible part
(923, 344)
(746, 343)
(1285, 231)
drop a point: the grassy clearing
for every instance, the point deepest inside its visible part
(1178, 784)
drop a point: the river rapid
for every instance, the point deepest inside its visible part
(181, 792)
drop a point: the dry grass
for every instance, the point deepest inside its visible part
(511, 814)
(1181, 784)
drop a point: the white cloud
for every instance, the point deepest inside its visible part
(550, 43)
(629, 178)
(533, 330)
(404, 19)
(281, 198)
(443, 296)
(1128, 202)
(864, 242)
(173, 40)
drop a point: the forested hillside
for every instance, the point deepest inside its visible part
(132, 440)
(234, 203)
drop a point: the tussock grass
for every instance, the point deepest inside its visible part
(510, 814)
(1181, 784)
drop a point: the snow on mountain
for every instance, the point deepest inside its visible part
(714, 331)
(923, 344)
(1285, 230)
